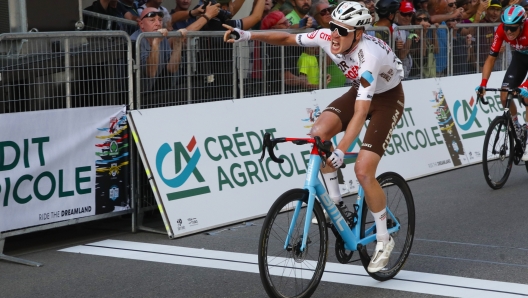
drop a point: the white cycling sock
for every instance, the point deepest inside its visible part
(382, 234)
(332, 186)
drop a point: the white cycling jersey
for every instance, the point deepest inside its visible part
(371, 65)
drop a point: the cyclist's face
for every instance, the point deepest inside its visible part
(512, 31)
(342, 43)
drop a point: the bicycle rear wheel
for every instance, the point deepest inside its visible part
(497, 154)
(291, 272)
(400, 202)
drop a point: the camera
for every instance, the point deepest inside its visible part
(223, 15)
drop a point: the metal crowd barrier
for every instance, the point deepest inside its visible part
(457, 51)
(44, 71)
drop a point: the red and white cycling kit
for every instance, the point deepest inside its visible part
(520, 44)
(372, 64)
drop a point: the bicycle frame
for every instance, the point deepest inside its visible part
(507, 113)
(351, 237)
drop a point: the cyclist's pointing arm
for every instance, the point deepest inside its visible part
(271, 37)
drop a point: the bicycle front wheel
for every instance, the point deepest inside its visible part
(400, 202)
(290, 272)
(497, 154)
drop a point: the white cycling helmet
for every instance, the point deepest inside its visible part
(352, 14)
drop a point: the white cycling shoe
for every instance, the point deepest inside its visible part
(381, 255)
(525, 155)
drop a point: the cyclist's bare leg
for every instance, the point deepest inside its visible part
(365, 169)
(325, 127)
(366, 165)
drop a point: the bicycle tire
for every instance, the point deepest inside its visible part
(397, 192)
(497, 165)
(284, 273)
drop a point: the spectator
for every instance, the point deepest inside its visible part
(440, 11)
(286, 7)
(129, 9)
(275, 20)
(181, 16)
(440, 8)
(386, 10)
(424, 65)
(420, 4)
(371, 6)
(105, 7)
(224, 17)
(293, 80)
(463, 54)
(451, 6)
(402, 45)
(160, 57)
(300, 9)
(267, 9)
(167, 20)
(321, 11)
(486, 34)
(475, 17)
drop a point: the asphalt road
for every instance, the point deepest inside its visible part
(470, 241)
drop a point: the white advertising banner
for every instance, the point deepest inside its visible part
(203, 158)
(62, 164)
(472, 119)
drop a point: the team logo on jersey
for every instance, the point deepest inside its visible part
(352, 73)
(361, 56)
(312, 35)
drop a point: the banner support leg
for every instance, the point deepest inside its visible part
(13, 259)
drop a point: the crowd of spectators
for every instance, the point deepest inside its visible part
(423, 49)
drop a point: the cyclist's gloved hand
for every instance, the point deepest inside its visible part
(234, 35)
(337, 158)
(524, 92)
(480, 89)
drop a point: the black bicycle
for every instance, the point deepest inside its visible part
(502, 146)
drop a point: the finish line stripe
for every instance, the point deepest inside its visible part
(408, 281)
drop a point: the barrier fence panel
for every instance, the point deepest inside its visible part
(60, 70)
(41, 71)
(462, 51)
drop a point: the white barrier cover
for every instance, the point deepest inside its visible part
(204, 157)
(52, 162)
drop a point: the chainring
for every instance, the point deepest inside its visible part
(341, 253)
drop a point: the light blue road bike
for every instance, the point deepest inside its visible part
(292, 254)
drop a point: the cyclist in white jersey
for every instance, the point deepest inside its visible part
(377, 94)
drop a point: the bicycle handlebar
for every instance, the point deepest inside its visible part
(516, 91)
(269, 143)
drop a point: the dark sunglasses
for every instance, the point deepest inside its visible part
(511, 28)
(153, 14)
(342, 31)
(451, 4)
(422, 19)
(326, 11)
(406, 14)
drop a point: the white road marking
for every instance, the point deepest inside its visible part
(409, 281)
